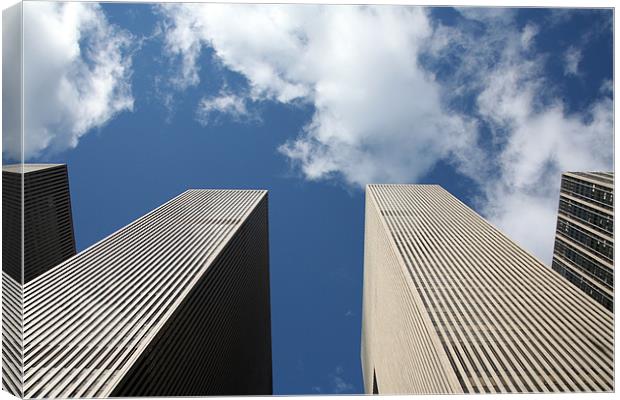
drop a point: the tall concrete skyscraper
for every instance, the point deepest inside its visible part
(452, 305)
(584, 241)
(47, 225)
(176, 304)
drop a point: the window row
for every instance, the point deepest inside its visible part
(588, 191)
(599, 245)
(583, 285)
(584, 262)
(596, 220)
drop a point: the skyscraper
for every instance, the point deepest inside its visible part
(175, 304)
(47, 225)
(451, 305)
(584, 241)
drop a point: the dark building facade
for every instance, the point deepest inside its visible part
(48, 237)
(584, 242)
(177, 303)
(12, 224)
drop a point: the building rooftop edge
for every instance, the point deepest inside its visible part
(226, 190)
(26, 167)
(402, 184)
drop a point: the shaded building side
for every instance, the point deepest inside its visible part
(48, 237)
(12, 225)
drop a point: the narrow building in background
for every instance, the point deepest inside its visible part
(584, 241)
(451, 305)
(174, 304)
(47, 225)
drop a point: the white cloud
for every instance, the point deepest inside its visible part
(533, 139)
(380, 116)
(541, 142)
(607, 87)
(261, 44)
(528, 34)
(572, 58)
(488, 14)
(76, 74)
(523, 201)
(339, 385)
(225, 103)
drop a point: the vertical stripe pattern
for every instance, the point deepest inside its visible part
(499, 320)
(88, 321)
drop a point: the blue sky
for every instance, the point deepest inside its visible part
(312, 103)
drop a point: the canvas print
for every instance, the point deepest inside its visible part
(212, 199)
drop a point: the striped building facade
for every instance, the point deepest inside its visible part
(12, 366)
(584, 241)
(175, 304)
(451, 305)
